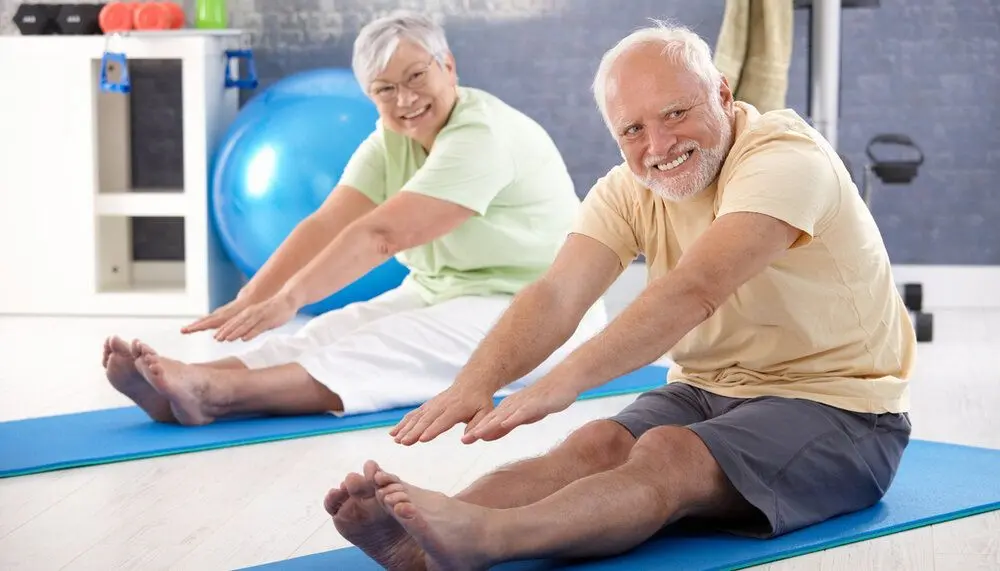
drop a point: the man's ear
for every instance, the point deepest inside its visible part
(725, 93)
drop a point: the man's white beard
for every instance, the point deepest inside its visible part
(693, 182)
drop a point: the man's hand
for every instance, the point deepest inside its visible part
(438, 415)
(542, 317)
(526, 406)
(257, 318)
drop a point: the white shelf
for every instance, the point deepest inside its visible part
(65, 191)
(138, 203)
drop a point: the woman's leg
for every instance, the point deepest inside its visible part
(177, 382)
(404, 359)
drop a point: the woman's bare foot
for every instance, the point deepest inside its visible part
(454, 534)
(184, 386)
(119, 366)
(360, 518)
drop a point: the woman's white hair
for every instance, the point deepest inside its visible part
(680, 45)
(378, 40)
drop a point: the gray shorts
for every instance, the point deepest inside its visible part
(797, 461)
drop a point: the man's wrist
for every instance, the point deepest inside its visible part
(570, 375)
(472, 384)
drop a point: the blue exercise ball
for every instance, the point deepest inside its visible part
(279, 160)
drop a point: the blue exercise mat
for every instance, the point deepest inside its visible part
(936, 482)
(65, 441)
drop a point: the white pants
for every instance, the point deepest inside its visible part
(396, 350)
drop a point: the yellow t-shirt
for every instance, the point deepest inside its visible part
(825, 321)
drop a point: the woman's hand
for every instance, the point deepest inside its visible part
(257, 318)
(221, 315)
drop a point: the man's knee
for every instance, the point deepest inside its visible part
(599, 444)
(675, 461)
(670, 447)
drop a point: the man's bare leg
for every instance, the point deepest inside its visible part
(669, 474)
(361, 519)
(199, 394)
(119, 365)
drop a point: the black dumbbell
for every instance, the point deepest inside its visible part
(80, 19)
(37, 19)
(923, 323)
(913, 297)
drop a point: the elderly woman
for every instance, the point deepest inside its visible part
(467, 192)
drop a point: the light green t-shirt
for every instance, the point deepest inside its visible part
(494, 160)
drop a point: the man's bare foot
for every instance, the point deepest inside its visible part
(184, 386)
(453, 534)
(360, 518)
(119, 366)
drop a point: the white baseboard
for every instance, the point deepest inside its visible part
(944, 287)
(954, 287)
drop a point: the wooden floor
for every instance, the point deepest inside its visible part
(243, 506)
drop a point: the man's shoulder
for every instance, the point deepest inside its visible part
(781, 139)
(774, 130)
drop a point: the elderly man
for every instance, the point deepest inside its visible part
(469, 193)
(769, 286)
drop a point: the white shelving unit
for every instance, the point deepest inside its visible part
(65, 189)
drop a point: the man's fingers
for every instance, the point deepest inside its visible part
(442, 424)
(523, 415)
(409, 422)
(469, 436)
(404, 421)
(421, 424)
(480, 415)
(490, 425)
(502, 424)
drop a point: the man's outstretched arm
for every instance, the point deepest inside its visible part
(736, 248)
(541, 318)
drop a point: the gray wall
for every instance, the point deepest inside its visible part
(928, 68)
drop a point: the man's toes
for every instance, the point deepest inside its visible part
(386, 491)
(401, 505)
(383, 478)
(150, 367)
(391, 498)
(139, 349)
